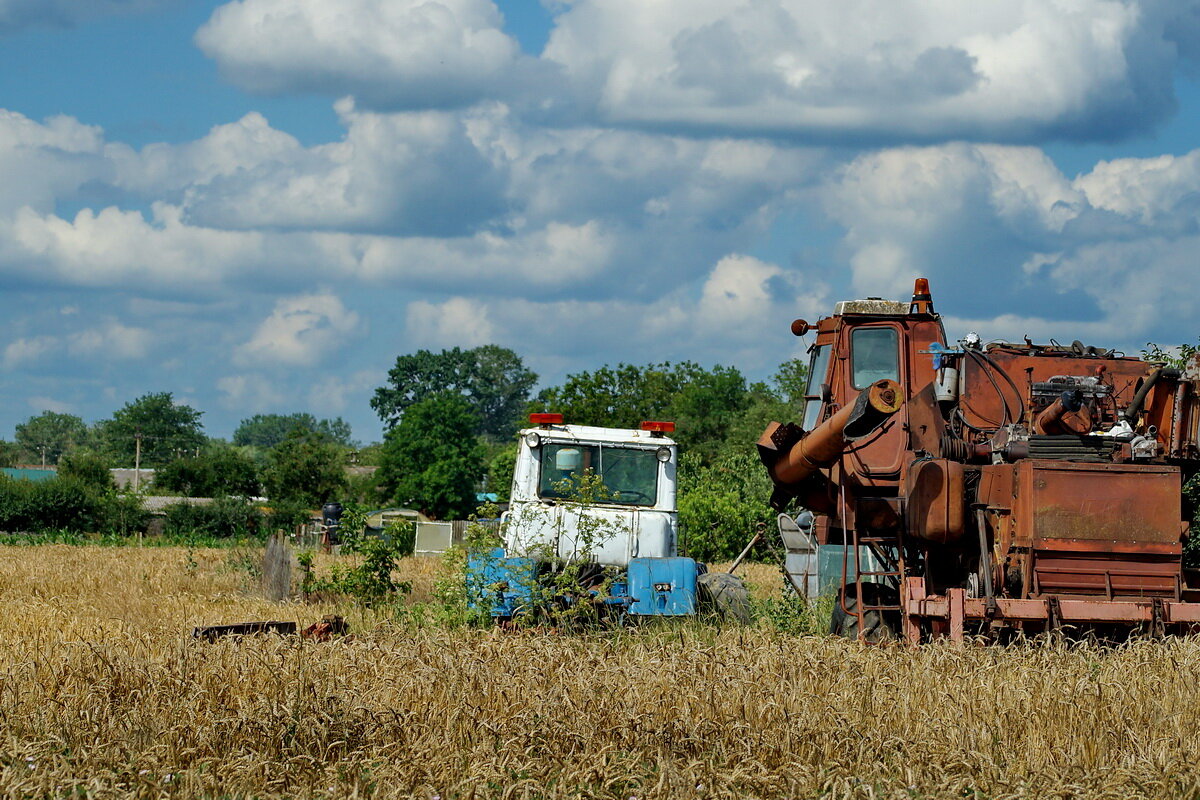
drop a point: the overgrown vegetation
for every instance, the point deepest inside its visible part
(66, 504)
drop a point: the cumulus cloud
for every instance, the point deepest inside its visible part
(458, 322)
(41, 403)
(43, 162)
(301, 331)
(1006, 237)
(875, 71)
(110, 340)
(410, 174)
(737, 312)
(391, 53)
(250, 394)
(28, 350)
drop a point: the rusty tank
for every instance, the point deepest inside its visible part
(998, 487)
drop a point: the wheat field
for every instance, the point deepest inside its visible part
(103, 693)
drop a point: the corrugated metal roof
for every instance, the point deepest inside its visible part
(30, 473)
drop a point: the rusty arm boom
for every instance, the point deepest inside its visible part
(792, 456)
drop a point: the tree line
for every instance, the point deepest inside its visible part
(451, 417)
(449, 420)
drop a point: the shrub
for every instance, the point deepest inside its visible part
(88, 468)
(56, 504)
(224, 518)
(721, 505)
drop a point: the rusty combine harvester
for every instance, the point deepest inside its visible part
(989, 488)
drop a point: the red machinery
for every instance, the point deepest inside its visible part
(1000, 487)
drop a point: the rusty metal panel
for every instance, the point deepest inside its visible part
(1105, 611)
(1076, 502)
(935, 511)
(1008, 609)
(1110, 575)
(1182, 612)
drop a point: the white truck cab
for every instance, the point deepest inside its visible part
(635, 514)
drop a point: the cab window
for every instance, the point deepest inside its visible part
(629, 474)
(817, 369)
(874, 356)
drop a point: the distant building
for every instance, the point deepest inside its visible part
(123, 477)
(30, 473)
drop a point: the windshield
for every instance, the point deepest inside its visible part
(874, 355)
(630, 475)
(812, 394)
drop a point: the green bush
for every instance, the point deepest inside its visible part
(88, 468)
(56, 504)
(121, 515)
(224, 518)
(720, 506)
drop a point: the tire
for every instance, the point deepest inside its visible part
(724, 596)
(878, 626)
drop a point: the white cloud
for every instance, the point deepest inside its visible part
(45, 161)
(410, 173)
(914, 69)
(301, 331)
(1015, 248)
(396, 53)
(112, 340)
(250, 394)
(335, 395)
(109, 341)
(41, 403)
(28, 350)
(738, 313)
(738, 289)
(458, 322)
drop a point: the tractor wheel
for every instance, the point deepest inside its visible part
(723, 595)
(877, 625)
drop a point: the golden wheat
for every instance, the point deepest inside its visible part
(103, 694)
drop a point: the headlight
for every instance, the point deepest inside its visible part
(664, 454)
(533, 440)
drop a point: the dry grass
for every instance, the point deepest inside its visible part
(103, 694)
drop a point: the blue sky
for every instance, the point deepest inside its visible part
(259, 204)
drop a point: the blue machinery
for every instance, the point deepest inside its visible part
(510, 585)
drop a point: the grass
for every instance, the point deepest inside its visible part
(104, 694)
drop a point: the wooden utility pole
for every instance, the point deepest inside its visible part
(137, 460)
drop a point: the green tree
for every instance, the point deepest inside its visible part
(88, 468)
(431, 459)
(791, 381)
(49, 435)
(10, 454)
(305, 468)
(704, 403)
(167, 431)
(492, 379)
(268, 430)
(615, 397)
(219, 471)
(500, 472)
(721, 505)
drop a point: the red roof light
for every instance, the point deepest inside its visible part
(546, 419)
(659, 427)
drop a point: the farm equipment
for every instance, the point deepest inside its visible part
(592, 528)
(975, 488)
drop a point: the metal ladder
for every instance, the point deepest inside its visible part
(879, 545)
